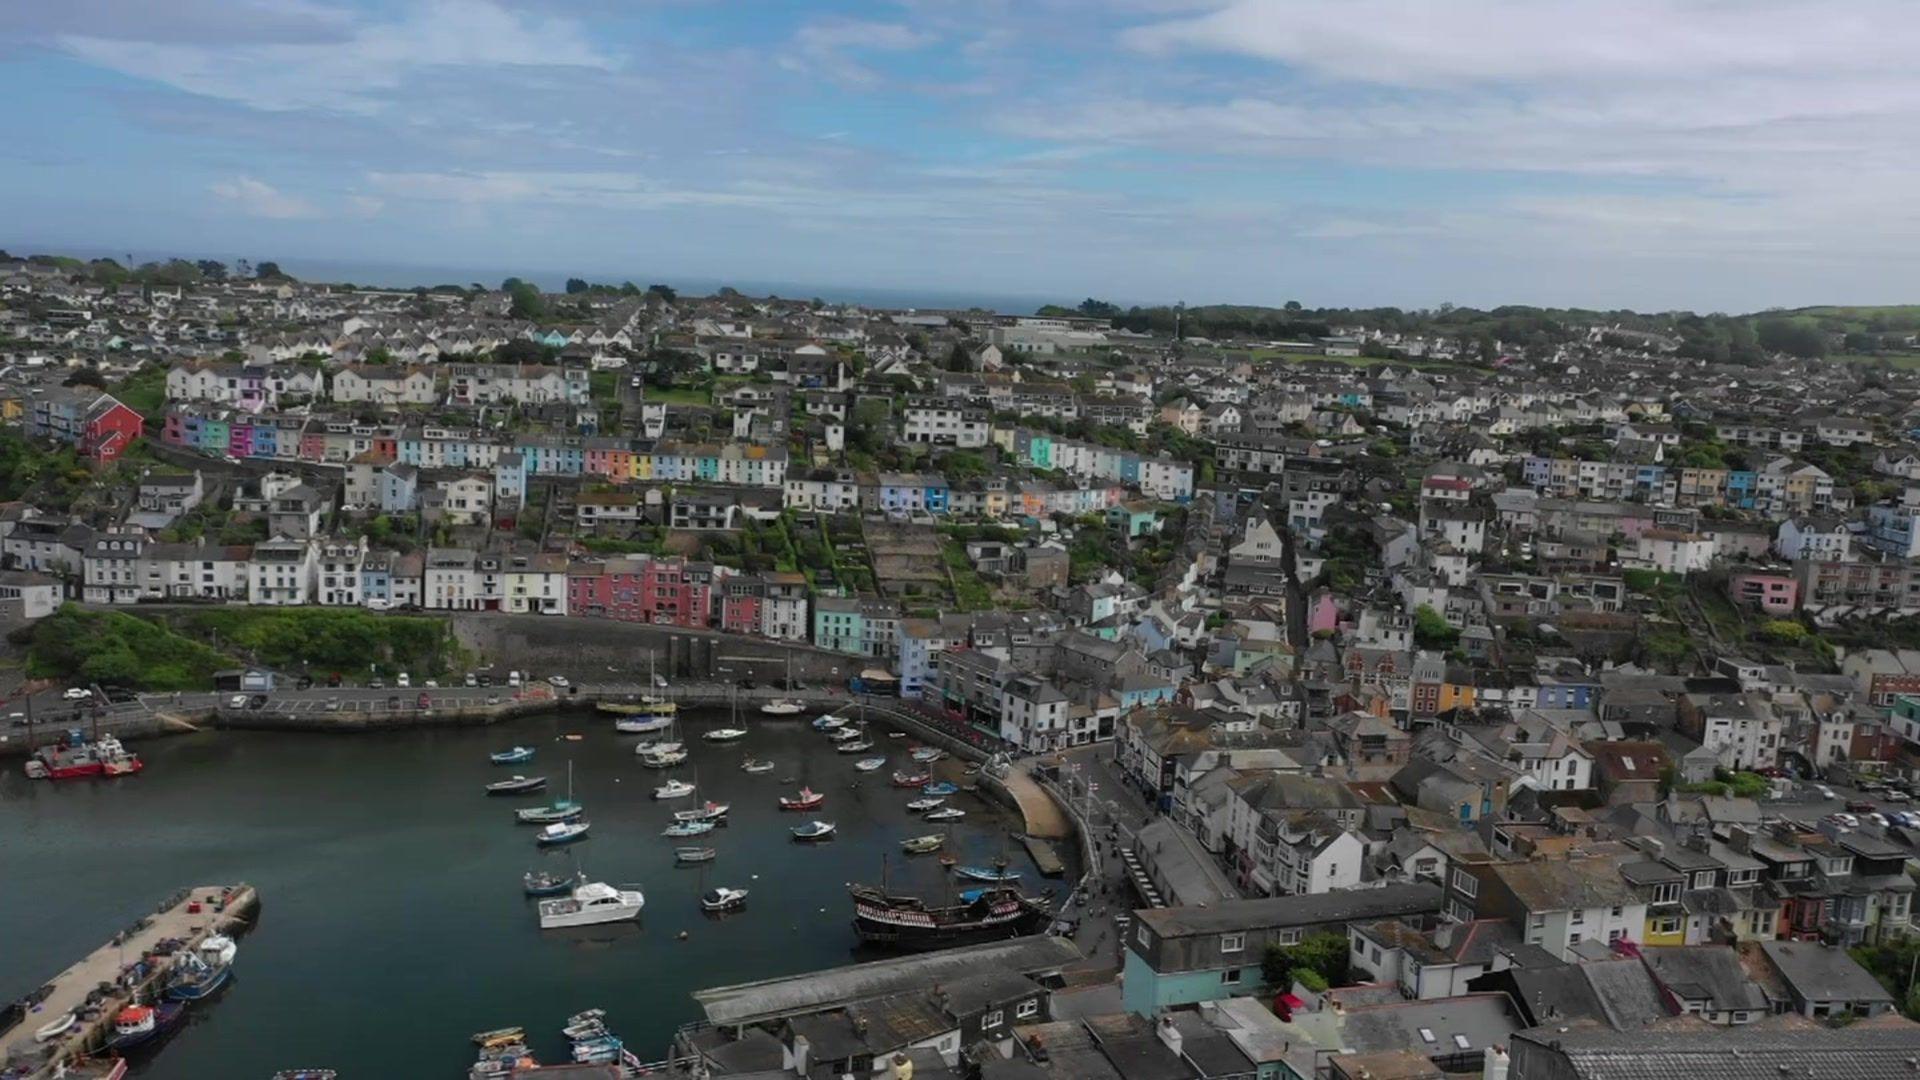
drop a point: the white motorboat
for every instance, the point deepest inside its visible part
(673, 789)
(872, 764)
(812, 831)
(663, 759)
(725, 734)
(592, 903)
(843, 734)
(829, 722)
(921, 806)
(754, 766)
(658, 746)
(947, 814)
(219, 950)
(783, 707)
(723, 899)
(713, 811)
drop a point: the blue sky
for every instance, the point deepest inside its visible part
(1646, 153)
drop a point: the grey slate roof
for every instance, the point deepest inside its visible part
(1878, 1049)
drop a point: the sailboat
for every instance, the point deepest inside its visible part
(647, 715)
(733, 732)
(564, 810)
(662, 753)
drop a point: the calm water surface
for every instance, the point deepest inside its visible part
(393, 923)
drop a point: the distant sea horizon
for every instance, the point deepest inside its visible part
(408, 276)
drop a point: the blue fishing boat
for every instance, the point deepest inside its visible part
(547, 883)
(137, 1025)
(942, 787)
(202, 972)
(986, 873)
(563, 832)
(512, 756)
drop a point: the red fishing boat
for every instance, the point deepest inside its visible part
(66, 760)
(808, 799)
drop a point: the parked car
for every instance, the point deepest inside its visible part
(1825, 791)
(425, 701)
(513, 678)
(333, 704)
(405, 680)
(18, 719)
(659, 682)
(1860, 806)
(376, 684)
(77, 693)
(258, 701)
(471, 679)
(237, 701)
(1847, 820)
(1897, 795)
(559, 681)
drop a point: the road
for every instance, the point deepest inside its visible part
(1114, 808)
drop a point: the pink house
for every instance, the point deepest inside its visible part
(1323, 612)
(1775, 592)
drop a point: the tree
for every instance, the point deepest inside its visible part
(1790, 337)
(1318, 962)
(527, 303)
(1430, 629)
(958, 358)
(86, 377)
(577, 285)
(268, 270)
(1098, 309)
(665, 292)
(212, 269)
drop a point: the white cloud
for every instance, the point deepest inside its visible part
(257, 199)
(826, 47)
(354, 70)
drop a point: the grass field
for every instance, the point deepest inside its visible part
(679, 395)
(1904, 362)
(1351, 361)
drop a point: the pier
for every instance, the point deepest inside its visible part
(188, 917)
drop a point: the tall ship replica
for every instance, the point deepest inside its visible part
(987, 913)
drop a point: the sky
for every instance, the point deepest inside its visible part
(1656, 154)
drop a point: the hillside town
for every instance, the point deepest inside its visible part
(1448, 705)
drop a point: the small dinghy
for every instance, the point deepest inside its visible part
(54, 1028)
(756, 767)
(546, 883)
(807, 799)
(694, 854)
(921, 845)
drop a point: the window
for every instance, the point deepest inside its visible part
(1141, 936)
(1466, 883)
(1026, 1009)
(1232, 943)
(994, 1019)
(1703, 880)
(1461, 1042)
(1578, 917)
(1289, 937)
(1426, 1035)
(1230, 977)
(1668, 893)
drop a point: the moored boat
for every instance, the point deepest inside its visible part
(927, 755)
(515, 784)
(752, 765)
(69, 759)
(564, 810)
(908, 922)
(547, 883)
(200, 973)
(829, 722)
(987, 873)
(921, 806)
(872, 764)
(663, 759)
(562, 832)
(712, 811)
(644, 724)
(591, 903)
(857, 746)
(512, 755)
(921, 845)
(812, 831)
(783, 707)
(723, 899)
(844, 734)
(137, 1025)
(807, 799)
(498, 1037)
(675, 788)
(725, 735)
(911, 780)
(306, 1074)
(688, 828)
(943, 787)
(114, 758)
(946, 813)
(694, 854)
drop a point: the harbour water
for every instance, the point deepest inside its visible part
(392, 922)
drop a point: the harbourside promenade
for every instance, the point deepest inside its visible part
(126, 963)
